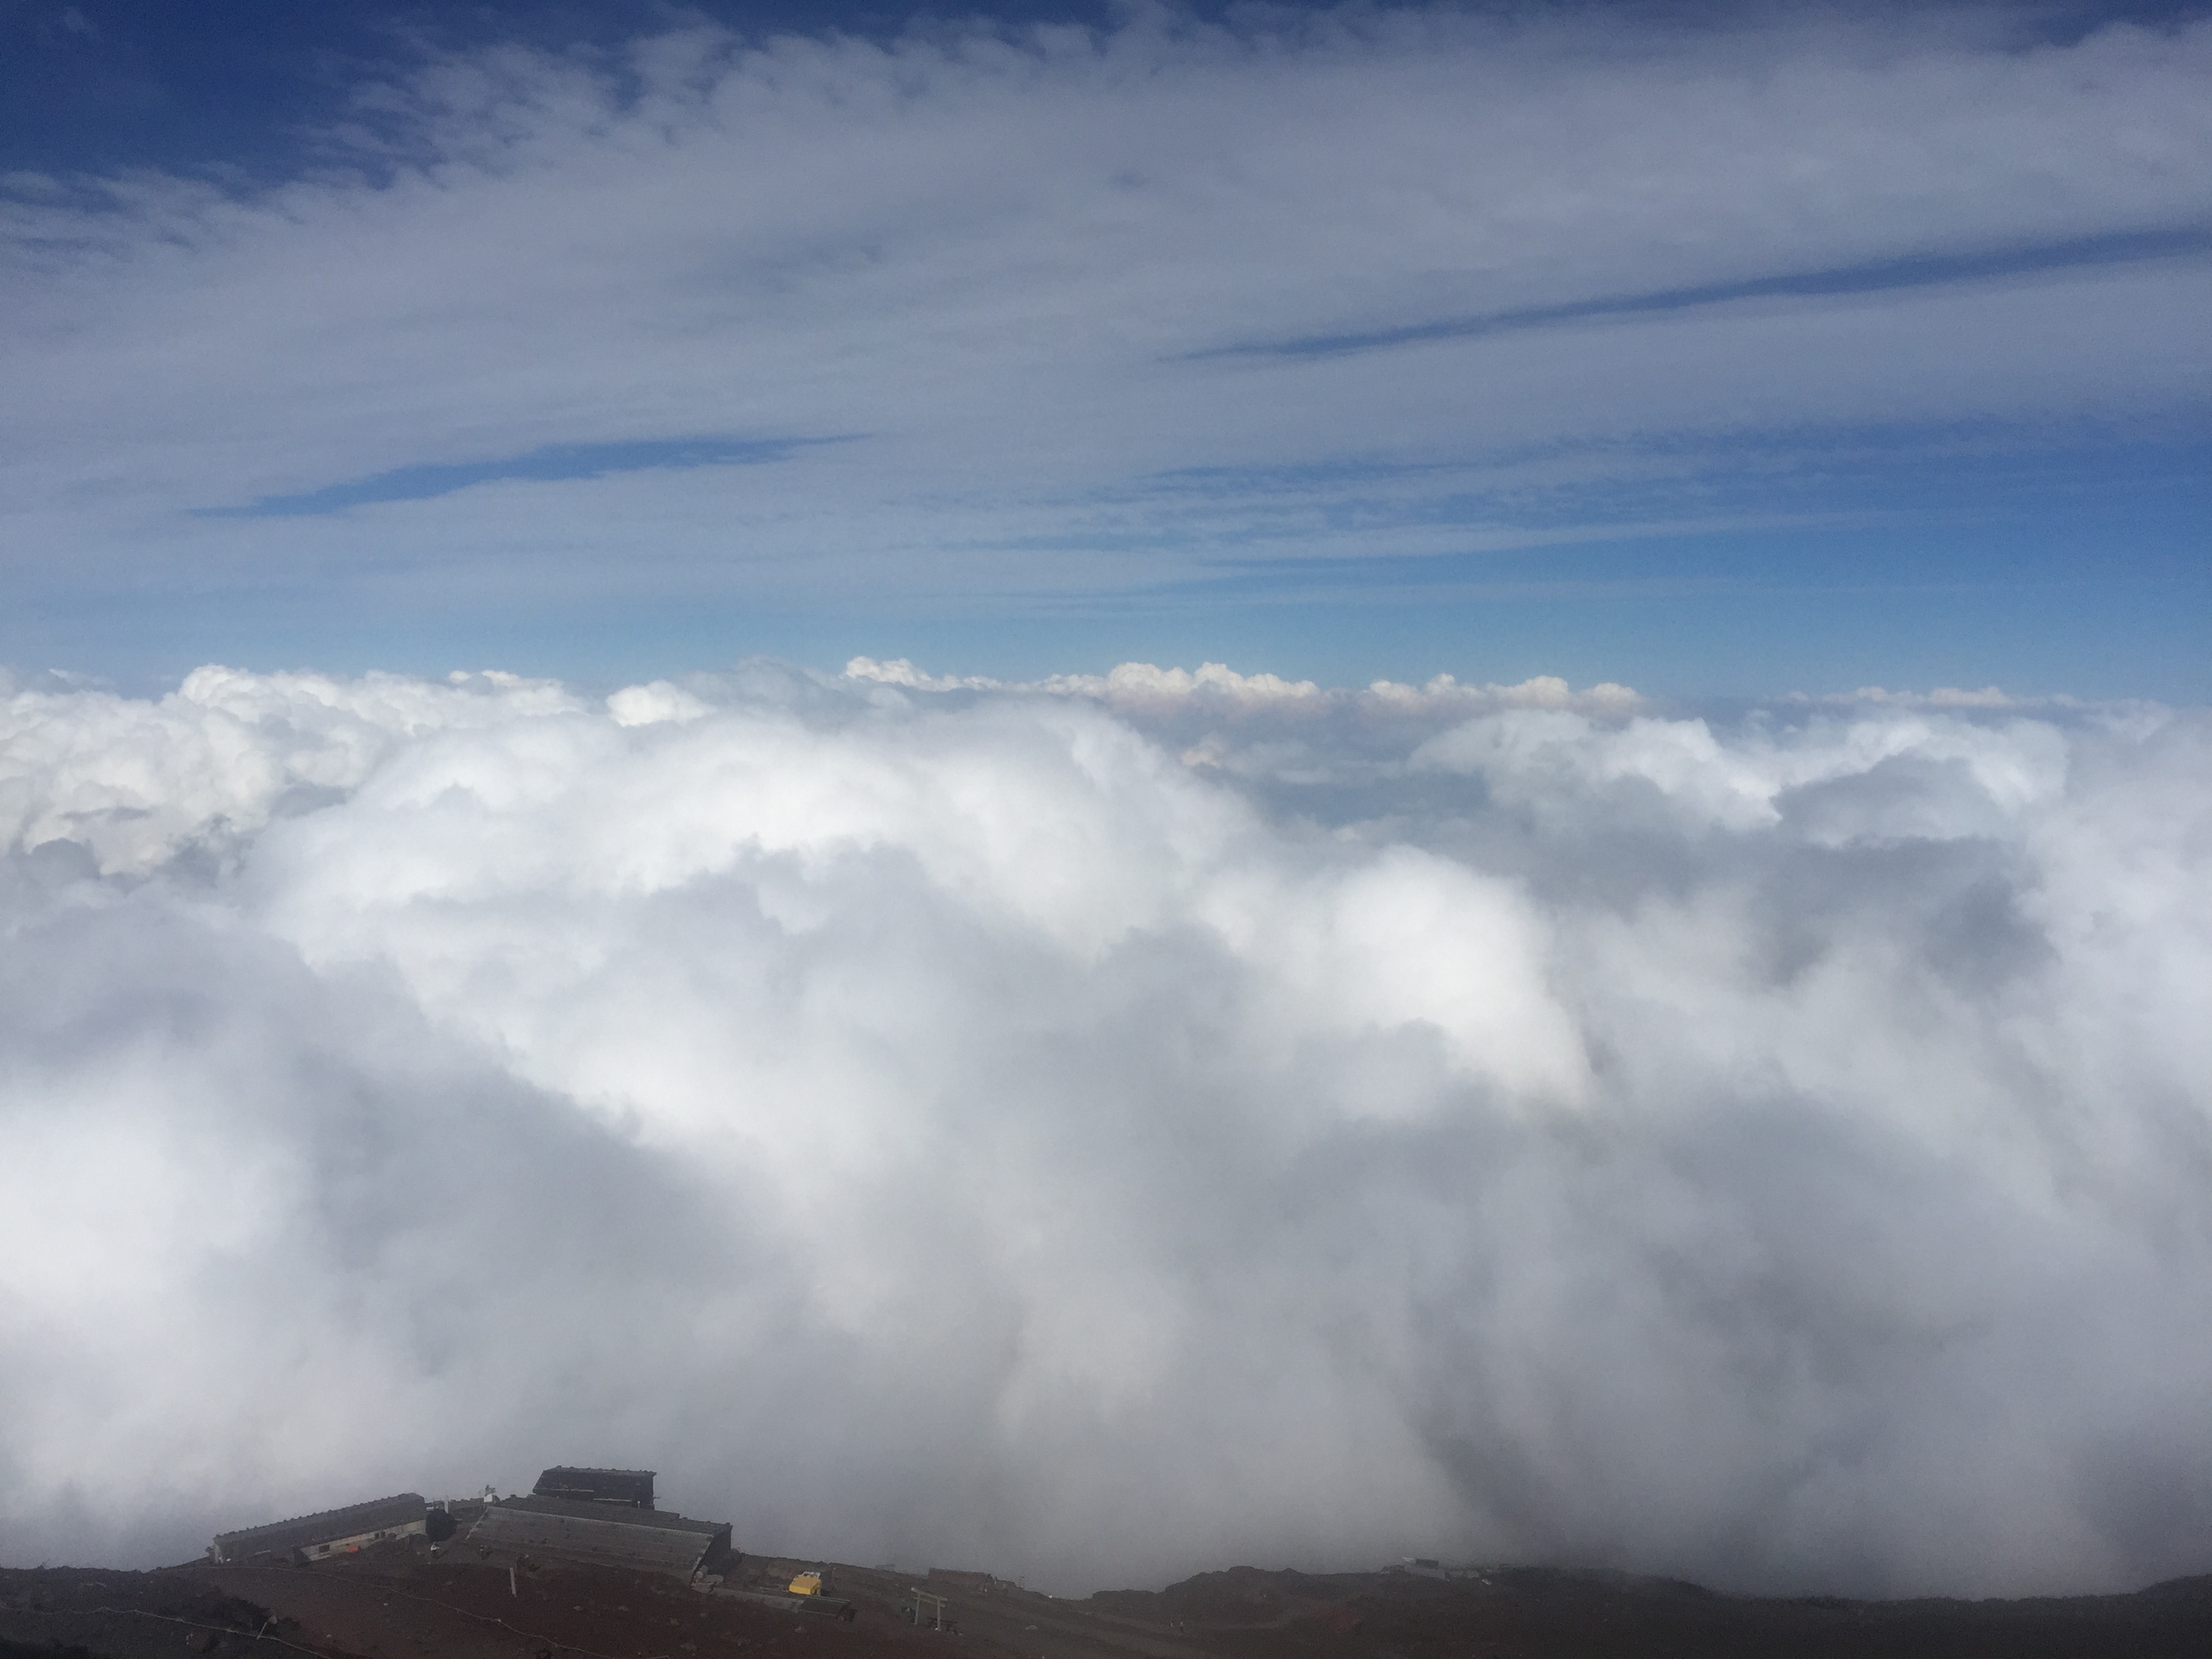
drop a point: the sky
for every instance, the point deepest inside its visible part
(1727, 351)
(1099, 793)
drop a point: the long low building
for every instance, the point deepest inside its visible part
(604, 1535)
(633, 1487)
(329, 1532)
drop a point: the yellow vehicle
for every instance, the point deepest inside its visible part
(809, 1584)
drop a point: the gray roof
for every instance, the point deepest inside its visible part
(283, 1537)
(653, 1540)
(633, 1486)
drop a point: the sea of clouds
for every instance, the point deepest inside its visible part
(1113, 1127)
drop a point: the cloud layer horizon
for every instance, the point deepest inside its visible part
(1107, 1128)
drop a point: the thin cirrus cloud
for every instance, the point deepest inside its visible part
(555, 463)
(1050, 273)
(1766, 1149)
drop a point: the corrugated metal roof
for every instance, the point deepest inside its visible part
(653, 1540)
(598, 1485)
(610, 1515)
(283, 1537)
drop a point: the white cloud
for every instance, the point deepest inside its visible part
(1143, 688)
(132, 782)
(982, 264)
(1767, 1150)
(1549, 760)
(647, 705)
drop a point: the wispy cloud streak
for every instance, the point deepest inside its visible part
(555, 463)
(1042, 268)
(1890, 276)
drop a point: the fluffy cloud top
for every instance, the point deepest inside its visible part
(1105, 1128)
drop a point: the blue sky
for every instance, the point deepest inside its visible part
(1721, 351)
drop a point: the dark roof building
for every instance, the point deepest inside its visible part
(329, 1532)
(630, 1487)
(604, 1535)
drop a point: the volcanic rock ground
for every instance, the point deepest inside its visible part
(399, 1603)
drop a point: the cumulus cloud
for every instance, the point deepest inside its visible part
(1060, 311)
(1117, 1126)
